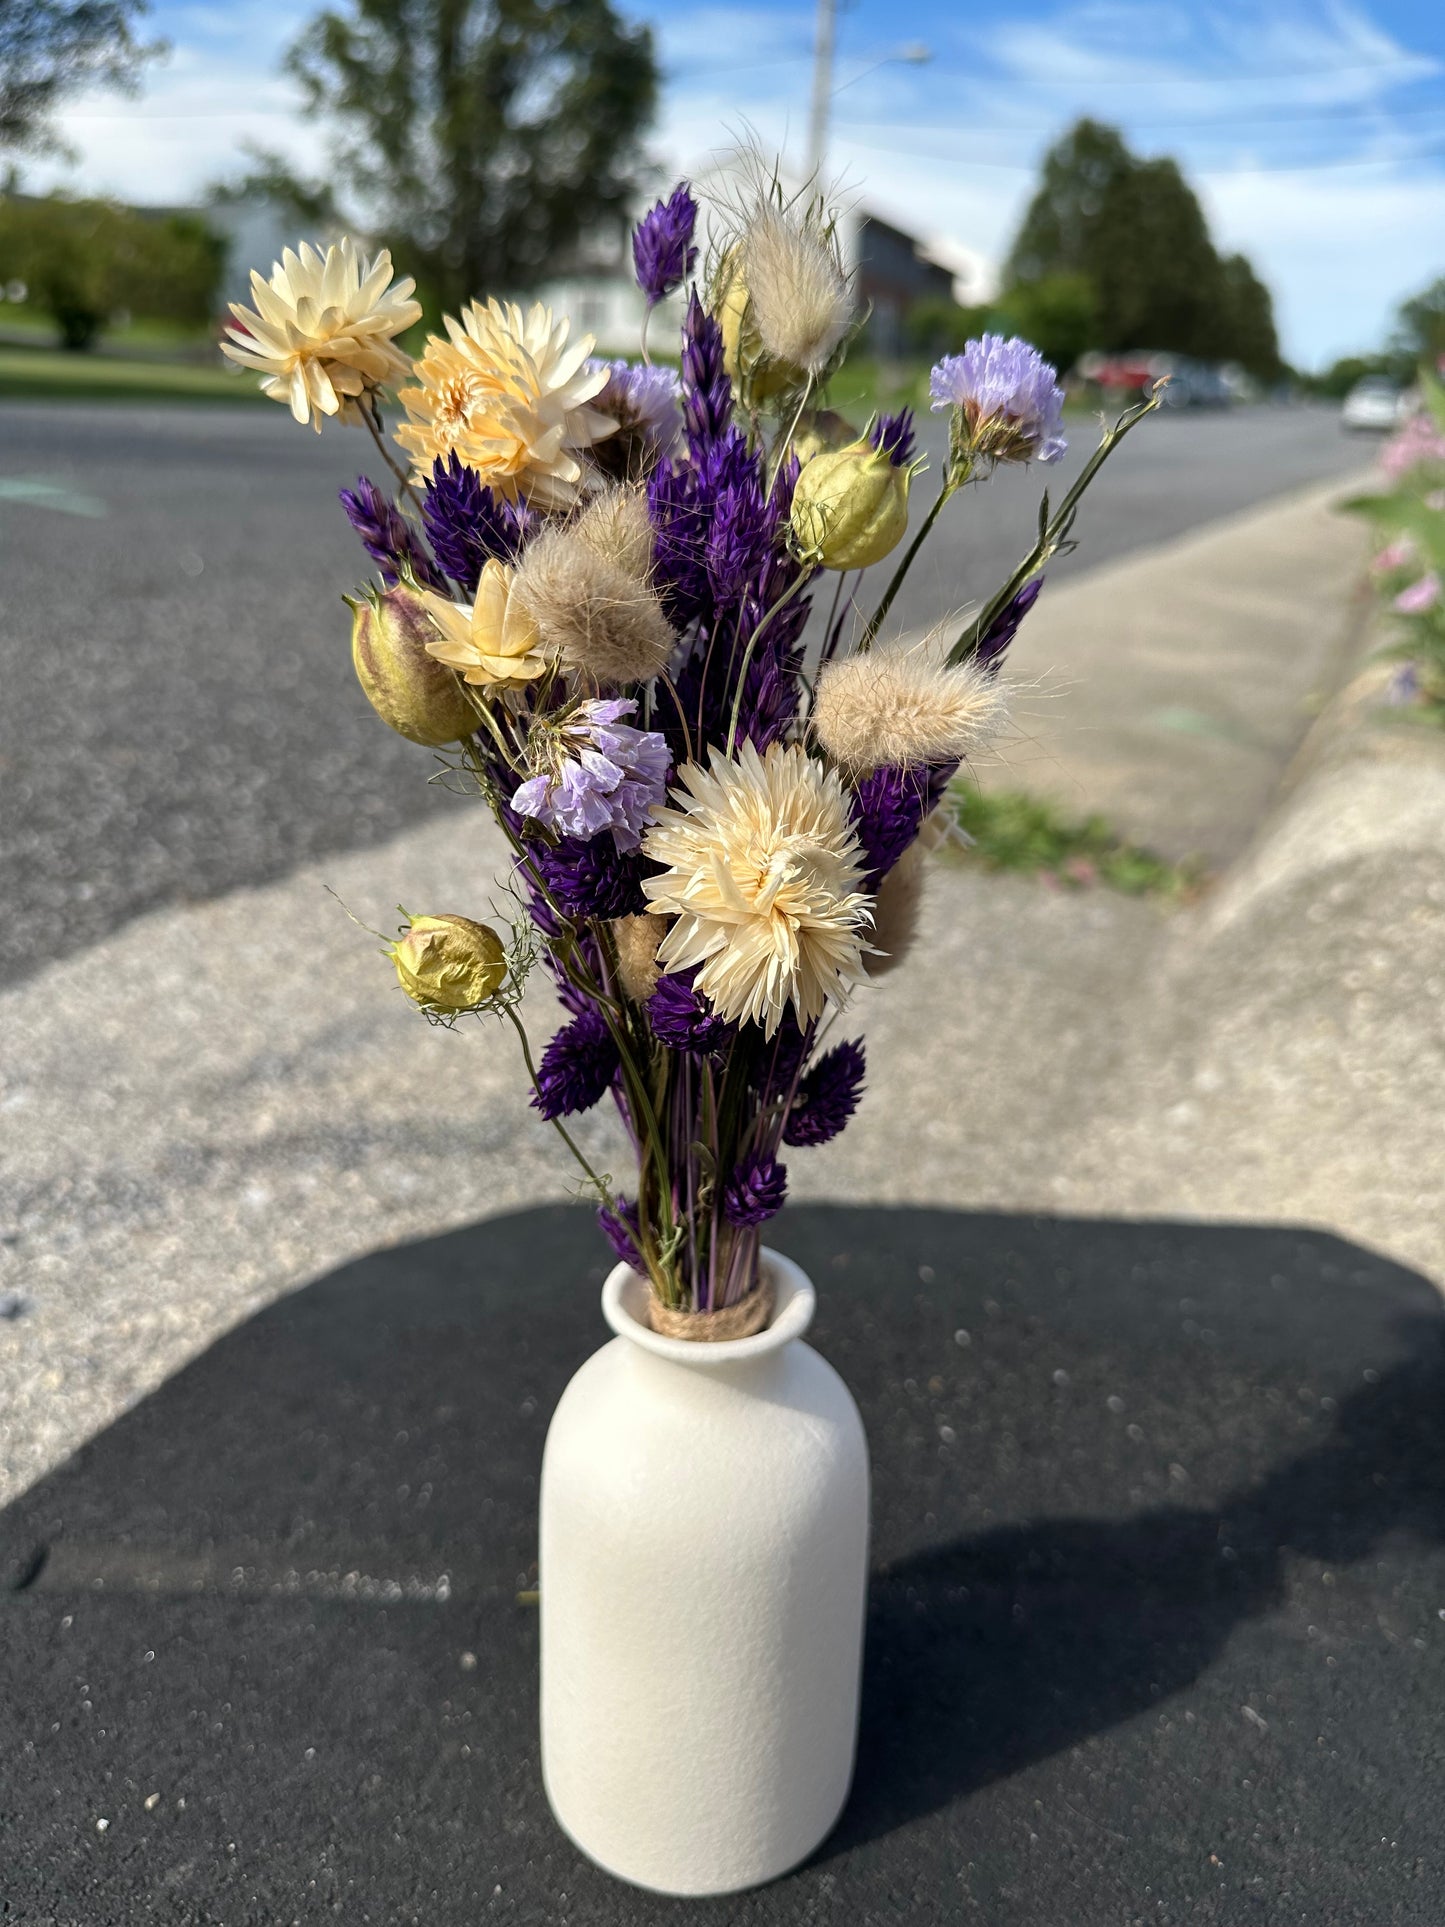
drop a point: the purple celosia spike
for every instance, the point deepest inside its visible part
(622, 1231)
(756, 1190)
(1008, 398)
(589, 879)
(894, 435)
(1005, 625)
(889, 807)
(468, 525)
(683, 1019)
(827, 1096)
(577, 1067)
(707, 393)
(662, 250)
(387, 536)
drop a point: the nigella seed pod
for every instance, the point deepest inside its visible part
(850, 508)
(415, 695)
(449, 963)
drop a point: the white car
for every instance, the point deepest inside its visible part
(1373, 403)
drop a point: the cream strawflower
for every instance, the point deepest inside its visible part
(507, 396)
(320, 335)
(763, 874)
(495, 642)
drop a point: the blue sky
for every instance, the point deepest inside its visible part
(1315, 134)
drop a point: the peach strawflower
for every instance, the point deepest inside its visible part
(763, 877)
(506, 395)
(493, 643)
(321, 334)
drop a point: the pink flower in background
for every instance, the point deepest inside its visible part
(1420, 596)
(1417, 443)
(1394, 555)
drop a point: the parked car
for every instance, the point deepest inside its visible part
(1373, 405)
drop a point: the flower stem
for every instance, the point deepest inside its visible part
(603, 1190)
(371, 415)
(952, 483)
(800, 582)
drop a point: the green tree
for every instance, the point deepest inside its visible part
(1420, 325)
(1058, 313)
(50, 48)
(1135, 232)
(491, 135)
(83, 260)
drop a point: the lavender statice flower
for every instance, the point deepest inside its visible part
(756, 1190)
(577, 1067)
(1008, 400)
(468, 525)
(620, 1226)
(683, 1019)
(643, 402)
(594, 772)
(388, 537)
(893, 434)
(1005, 625)
(662, 249)
(827, 1096)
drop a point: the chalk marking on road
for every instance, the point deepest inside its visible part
(39, 494)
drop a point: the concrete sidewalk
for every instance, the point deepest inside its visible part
(220, 1102)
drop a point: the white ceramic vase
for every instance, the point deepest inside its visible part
(703, 1564)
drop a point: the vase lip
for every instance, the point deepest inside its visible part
(625, 1297)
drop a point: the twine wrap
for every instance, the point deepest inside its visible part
(741, 1320)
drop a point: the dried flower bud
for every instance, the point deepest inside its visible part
(449, 963)
(415, 695)
(851, 508)
(822, 431)
(637, 939)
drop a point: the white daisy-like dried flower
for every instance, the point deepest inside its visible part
(763, 874)
(798, 293)
(616, 527)
(636, 940)
(494, 643)
(506, 395)
(903, 707)
(321, 335)
(603, 623)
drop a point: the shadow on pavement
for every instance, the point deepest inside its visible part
(1157, 1629)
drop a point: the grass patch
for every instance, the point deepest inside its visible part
(1017, 833)
(39, 374)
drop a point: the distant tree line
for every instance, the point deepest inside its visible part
(1417, 340)
(1114, 253)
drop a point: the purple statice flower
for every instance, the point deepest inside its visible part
(662, 249)
(387, 536)
(594, 772)
(893, 434)
(683, 1019)
(755, 1191)
(1005, 625)
(619, 1225)
(643, 402)
(587, 878)
(468, 525)
(1420, 597)
(827, 1096)
(577, 1067)
(1008, 399)
(890, 806)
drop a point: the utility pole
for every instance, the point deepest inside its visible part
(822, 87)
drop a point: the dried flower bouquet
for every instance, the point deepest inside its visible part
(596, 579)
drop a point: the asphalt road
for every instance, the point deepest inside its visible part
(179, 716)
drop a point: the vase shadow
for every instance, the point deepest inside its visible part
(992, 1652)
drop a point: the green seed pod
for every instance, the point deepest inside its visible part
(449, 963)
(415, 695)
(850, 508)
